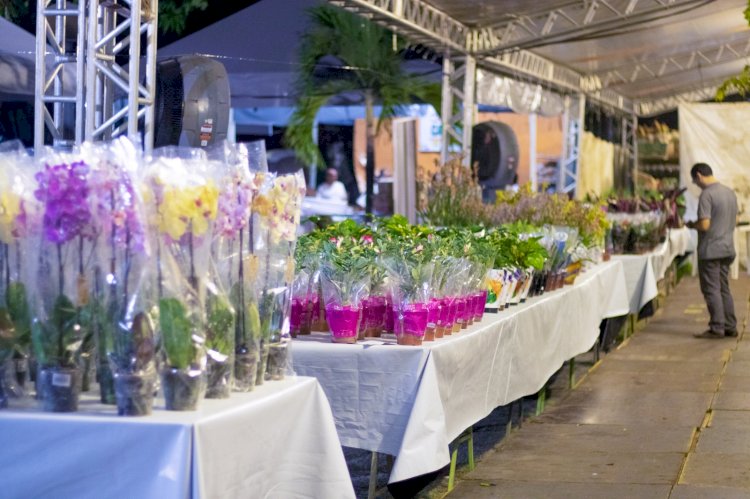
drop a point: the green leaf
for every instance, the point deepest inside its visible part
(177, 332)
(18, 308)
(220, 325)
(143, 340)
(67, 329)
(253, 319)
(7, 335)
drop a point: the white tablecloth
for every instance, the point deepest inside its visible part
(277, 442)
(411, 402)
(642, 272)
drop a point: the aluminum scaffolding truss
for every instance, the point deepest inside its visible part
(107, 98)
(58, 100)
(415, 19)
(572, 19)
(629, 143)
(459, 91)
(663, 104)
(572, 132)
(117, 96)
(419, 22)
(656, 68)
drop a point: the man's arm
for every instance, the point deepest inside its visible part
(701, 225)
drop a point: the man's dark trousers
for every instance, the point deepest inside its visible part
(714, 279)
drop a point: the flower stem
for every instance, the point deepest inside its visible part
(126, 274)
(60, 270)
(241, 275)
(193, 279)
(18, 260)
(7, 266)
(80, 255)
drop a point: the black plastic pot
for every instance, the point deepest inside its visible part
(59, 388)
(263, 363)
(277, 357)
(219, 376)
(134, 393)
(4, 392)
(245, 369)
(182, 388)
(106, 384)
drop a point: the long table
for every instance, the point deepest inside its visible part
(642, 272)
(411, 402)
(278, 441)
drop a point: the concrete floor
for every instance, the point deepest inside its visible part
(663, 416)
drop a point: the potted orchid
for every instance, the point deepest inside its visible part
(15, 322)
(185, 204)
(278, 207)
(60, 269)
(122, 306)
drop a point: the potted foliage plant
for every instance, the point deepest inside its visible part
(345, 282)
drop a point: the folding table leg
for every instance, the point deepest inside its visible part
(509, 424)
(468, 437)
(373, 476)
(572, 373)
(541, 400)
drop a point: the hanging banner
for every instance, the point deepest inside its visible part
(716, 134)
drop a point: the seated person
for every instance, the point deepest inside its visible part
(332, 189)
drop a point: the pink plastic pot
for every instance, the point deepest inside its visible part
(373, 315)
(343, 322)
(411, 323)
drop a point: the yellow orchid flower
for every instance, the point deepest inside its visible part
(190, 208)
(10, 206)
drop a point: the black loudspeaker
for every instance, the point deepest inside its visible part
(494, 150)
(192, 102)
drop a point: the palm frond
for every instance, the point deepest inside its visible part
(370, 63)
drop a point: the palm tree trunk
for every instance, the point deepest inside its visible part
(370, 147)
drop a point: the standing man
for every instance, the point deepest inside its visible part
(717, 218)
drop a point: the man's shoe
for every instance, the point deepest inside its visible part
(710, 335)
(732, 333)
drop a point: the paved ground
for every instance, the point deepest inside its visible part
(663, 416)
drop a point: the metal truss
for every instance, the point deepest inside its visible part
(459, 87)
(499, 49)
(422, 23)
(686, 61)
(104, 99)
(117, 97)
(573, 123)
(414, 19)
(629, 143)
(663, 104)
(581, 18)
(58, 100)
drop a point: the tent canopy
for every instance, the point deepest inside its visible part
(639, 55)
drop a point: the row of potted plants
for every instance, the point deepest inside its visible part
(178, 265)
(421, 283)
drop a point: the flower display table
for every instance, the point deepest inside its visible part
(277, 441)
(642, 272)
(411, 402)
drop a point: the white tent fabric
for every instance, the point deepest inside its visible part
(521, 97)
(716, 134)
(17, 48)
(597, 159)
(18, 63)
(257, 46)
